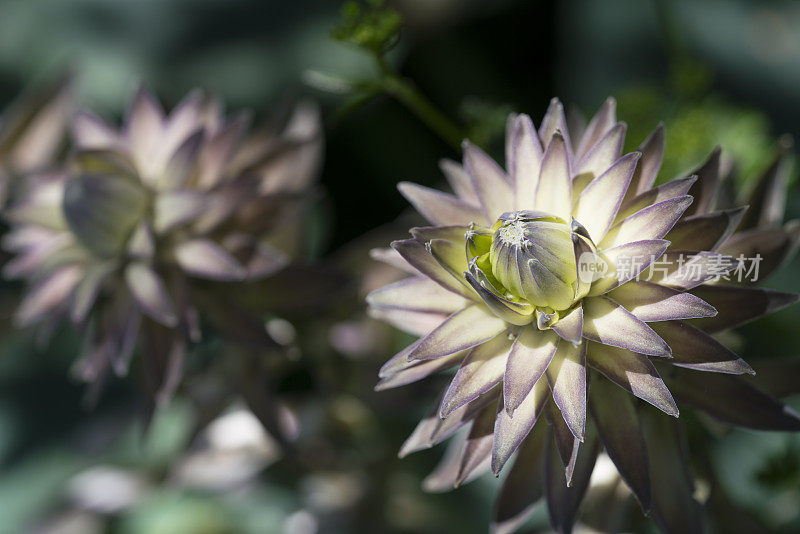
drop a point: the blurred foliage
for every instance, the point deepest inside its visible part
(371, 25)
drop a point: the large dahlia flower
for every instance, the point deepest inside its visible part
(124, 241)
(537, 280)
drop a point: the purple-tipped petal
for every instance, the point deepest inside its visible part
(91, 132)
(652, 222)
(598, 203)
(150, 293)
(530, 355)
(489, 181)
(478, 447)
(464, 329)
(653, 302)
(602, 155)
(774, 247)
(390, 256)
(511, 312)
(633, 372)
(524, 485)
(609, 323)
(459, 181)
(440, 208)
(629, 260)
(704, 189)
(511, 430)
(454, 234)
(738, 305)
(414, 323)
(684, 269)
(767, 200)
(566, 375)
(175, 208)
(566, 443)
(85, 294)
(554, 121)
(46, 295)
(205, 259)
(445, 476)
(652, 150)
(733, 400)
(618, 427)
(480, 371)
(554, 192)
(570, 327)
(706, 231)
(417, 255)
(525, 162)
(416, 294)
(667, 191)
(601, 123)
(563, 501)
(694, 349)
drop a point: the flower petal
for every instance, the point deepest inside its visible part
(414, 323)
(694, 349)
(601, 123)
(570, 327)
(609, 323)
(512, 312)
(525, 162)
(767, 199)
(704, 189)
(653, 302)
(489, 181)
(150, 293)
(417, 255)
(739, 305)
(633, 372)
(554, 192)
(464, 329)
(652, 150)
(774, 247)
(510, 431)
(566, 375)
(706, 231)
(417, 294)
(684, 269)
(478, 447)
(174, 208)
(440, 208)
(46, 295)
(530, 355)
(602, 155)
(618, 427)
(629, 261)
(652, 222)
(554, 121)
(667, 191)
(459, 181)
(566, 443)
(205, 259)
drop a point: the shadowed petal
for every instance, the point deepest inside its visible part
(530, 355)
(174, 208)
(390, 256)
(90, 132)
(685, 269)
(611, 324)
(778, 376)
(525, 162)
(87, 290)
(674, 507)
(205, 259)
(478, 447)
(417, 255)
(464, 329)
(444, 477)
(671, 189)
(602, 155)
(510, 430)
(46, 295)
(652, 150)
(598, 203)
(440, 208)
(554, 121)
(417, 294)
(150, 293)
(512, 312)
(618, 428)
(566, 375)
(554, 192)
(566, 443)
(629, 261)
(774, 247)
(570, 327)
(414, 323)
(454, 234)
(489, 181)
(767, 200)
(652, 222)
(733, 400)
(704, 189)
(739, 305)
(563, 501)
(459, 180)
(480, 371)
(694, 349)
(706, 231)
(523, 487)
(601, 123)
(653, 302)
(633, 372)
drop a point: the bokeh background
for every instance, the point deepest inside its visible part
(716, 72)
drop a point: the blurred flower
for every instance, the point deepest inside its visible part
(569, 258)
(32, 132)
(119, 242)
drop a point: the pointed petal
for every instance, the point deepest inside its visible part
(480, 371)
(778, 376)
(459, 181)
(530, 355)
(566, 375)
(175, 208)
(566, 443)
(704, 189)
(47, 295)
(652, 222)
(478, 447)
(618, 427)
(706, 231)
(611, 324)
(414, 323)
(774, 247)
(601, 123)
(602, 155)
(598, 203)
(511, 430)
(512, 312)
(417, 294)
(570, 327)
(205, 259)
(653, 302)
(629, 261)
(667, 191)
(454, 234)
(462, 330)
(418, 257)
(523, 487)
(526, 160)
(734, 401)
(489, 181)
(682, 269)
(554, 192)
(652, 150)
(445, 476)
(150, 293)
(87, 290)
(554, 121)
(694, 349)
(633, 372)
(739, 305)
(767, 200)
(417, 370)
(440, 208)
(91, 132)
(390, 256)
(674, 507)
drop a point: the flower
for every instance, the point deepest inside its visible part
(565, 269)
(119, 241)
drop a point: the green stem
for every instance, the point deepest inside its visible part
(408, 95)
